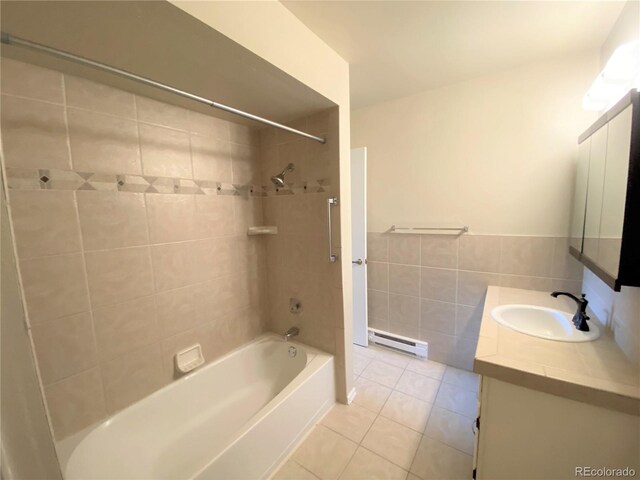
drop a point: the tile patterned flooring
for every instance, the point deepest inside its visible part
(411, 420)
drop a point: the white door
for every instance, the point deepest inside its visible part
(359, 243)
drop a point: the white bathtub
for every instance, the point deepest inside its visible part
(236, 418)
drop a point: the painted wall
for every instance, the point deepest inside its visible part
(130, 235)
(619, 310)
(271, 31)
(496, 153)
(27, 445)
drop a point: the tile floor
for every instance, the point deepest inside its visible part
(411, 419)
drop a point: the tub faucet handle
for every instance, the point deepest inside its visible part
(292, 332)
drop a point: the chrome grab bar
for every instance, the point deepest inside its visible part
(331, 202)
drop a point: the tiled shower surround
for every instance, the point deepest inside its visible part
(130, 217)
(432, 287)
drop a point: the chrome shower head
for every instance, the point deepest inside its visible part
(278, 180)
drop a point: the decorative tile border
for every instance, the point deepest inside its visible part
(46, 179)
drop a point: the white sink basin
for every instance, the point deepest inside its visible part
(543, 322)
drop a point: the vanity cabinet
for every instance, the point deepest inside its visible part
(529, 434)
(605, 225)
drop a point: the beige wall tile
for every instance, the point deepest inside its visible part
(292, 470)
(216, 257)
(125, 327)
(209, 126)
(171, 217)
(524, 282)
(319, 158)
(293, 152)
(439, 251)
(34, 134)
(132, 377)
(165, 152)
(119, 275)
(563, 264)
(404, 279)
(404, 249)
(480, 253)
(244, 165)
(404, 314)
(75, 403)
(247, 212)
(112, 219)
(468, 320)
(180, 309)
(202, 335)
(437, 316)
(97, 97)
(54, 287)
(438, 284)
(472, 286)
(26, 80)
(526, 256)
(174, 265)
(377, 247)
(378, 276)
(102, 143)
(392, 441)
(214, 215)
(242, 134)
(571, 286)
(441, 346)
(269, 164)
(211, 159)
(159, 113)
(64, 347)
(44, 222)
(378, 304)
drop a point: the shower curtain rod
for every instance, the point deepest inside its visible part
(21, 42)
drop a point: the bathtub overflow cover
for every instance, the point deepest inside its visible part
(292, 351)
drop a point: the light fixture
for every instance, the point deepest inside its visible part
(621, 74)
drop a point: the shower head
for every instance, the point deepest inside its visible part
(278, 180)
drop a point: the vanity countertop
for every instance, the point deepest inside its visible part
(593, 372)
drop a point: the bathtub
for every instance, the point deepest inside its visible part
(236, 418)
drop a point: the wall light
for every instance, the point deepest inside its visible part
(621, 74)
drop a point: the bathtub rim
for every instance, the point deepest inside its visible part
(67, 446)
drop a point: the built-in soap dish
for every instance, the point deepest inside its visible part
(265, 230)
(189, 359)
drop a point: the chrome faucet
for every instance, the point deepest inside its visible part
(580, 318)
(292, 332)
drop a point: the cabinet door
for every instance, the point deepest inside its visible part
(614, 192)
(580, 196)
(595, 187)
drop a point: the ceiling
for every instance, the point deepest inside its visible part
(159, 41)
(397, 48)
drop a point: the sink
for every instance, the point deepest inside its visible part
(543, 322)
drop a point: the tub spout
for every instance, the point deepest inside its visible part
(292, 332)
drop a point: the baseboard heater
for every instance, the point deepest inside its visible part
(398, 342)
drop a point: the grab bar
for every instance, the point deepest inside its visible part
(331, 202)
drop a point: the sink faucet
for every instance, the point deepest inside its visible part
(580, 318)
(292, 332)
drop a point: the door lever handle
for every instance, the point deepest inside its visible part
(358, 261)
